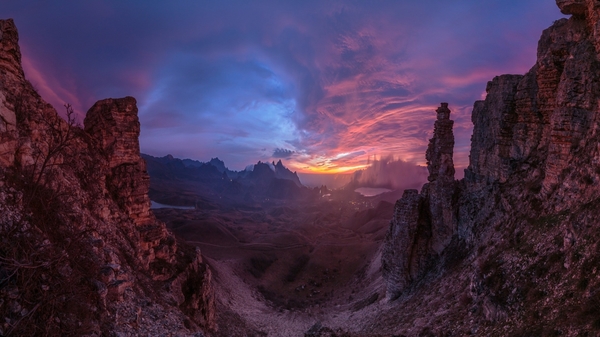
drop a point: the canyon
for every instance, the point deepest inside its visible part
(512, 249)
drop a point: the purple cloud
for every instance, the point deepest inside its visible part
(282, 153)
(321, 79)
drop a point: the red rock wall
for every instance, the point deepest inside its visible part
(98, 179)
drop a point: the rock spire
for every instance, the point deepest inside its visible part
(529, 200)
(441, 147)
(423, 223)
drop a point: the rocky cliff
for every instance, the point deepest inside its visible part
(80, 251)
(515, 244)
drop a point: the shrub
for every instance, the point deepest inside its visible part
(47, 262)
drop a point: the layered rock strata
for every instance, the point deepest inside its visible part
(11, 71)
(525, 212)
(423, 224)
(80, 195)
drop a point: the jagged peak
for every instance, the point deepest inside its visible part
(443, 112)
(115, 125)
(441, 146)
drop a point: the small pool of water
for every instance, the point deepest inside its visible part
(154, 204)
(371, 191)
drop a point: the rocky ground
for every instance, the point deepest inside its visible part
(281, 269)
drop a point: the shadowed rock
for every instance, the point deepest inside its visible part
(534, 155)
(423, 224)
(575, 7)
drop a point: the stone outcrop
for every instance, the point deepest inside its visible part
(8, 134)
(423, 224)
(10, 60)
(537, 126)
(11, 72)
(440, 190)
(82, 195)
(114, 126)
(574, 7)
(524, 213)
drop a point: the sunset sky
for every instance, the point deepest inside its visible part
(323, 85)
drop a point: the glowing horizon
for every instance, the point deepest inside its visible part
(302, 82)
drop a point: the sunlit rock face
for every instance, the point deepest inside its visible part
(8, 134)
(11, 73)
(84, 192)
(114, 124)
(10, 58)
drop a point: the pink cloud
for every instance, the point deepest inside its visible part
(54, 91)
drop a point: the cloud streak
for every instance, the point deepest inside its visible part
(312, 81)
(282, 153)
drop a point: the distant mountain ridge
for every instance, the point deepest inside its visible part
(279, 170)
(184, 181)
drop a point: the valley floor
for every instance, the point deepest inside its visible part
(314, 270)
(284, 269)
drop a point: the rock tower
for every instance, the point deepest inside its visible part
(526, 213)
(423, 223)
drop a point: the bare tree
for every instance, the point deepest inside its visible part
(47, 265)
(52, 147)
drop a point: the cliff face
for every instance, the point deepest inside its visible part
(81, 253)
(523, 220)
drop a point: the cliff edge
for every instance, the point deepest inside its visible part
(514, 246)
(80, 251)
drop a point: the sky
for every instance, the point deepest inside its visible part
(325, 86)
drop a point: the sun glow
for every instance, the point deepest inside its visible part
(326, 166)
(332, 169)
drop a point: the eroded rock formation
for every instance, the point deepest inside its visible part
(524, 218)
(12, 73)
(80, 250)
(423, 224)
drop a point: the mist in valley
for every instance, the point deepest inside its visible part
(278, 249)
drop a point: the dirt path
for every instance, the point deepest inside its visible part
(255, 314)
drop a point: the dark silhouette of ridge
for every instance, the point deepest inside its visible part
(190, 182)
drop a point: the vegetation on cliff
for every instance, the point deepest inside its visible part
(80, 251)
